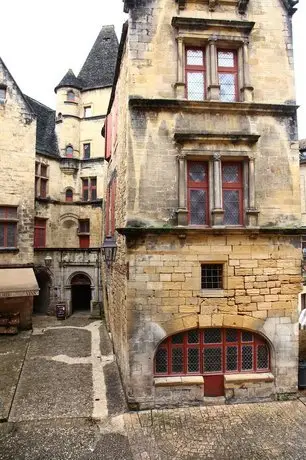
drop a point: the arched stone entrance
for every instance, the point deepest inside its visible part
(80, 293)
(42, 301)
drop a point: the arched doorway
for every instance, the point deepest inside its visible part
(42, 301)
(212, 352)
(80, 293)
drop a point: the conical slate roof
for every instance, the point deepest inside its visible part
(99, 68)
(69, 80)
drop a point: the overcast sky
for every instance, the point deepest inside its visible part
(41, 39)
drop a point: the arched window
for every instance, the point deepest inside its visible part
(69, 151)
(212, 351)
(70, 95)
(69, 194)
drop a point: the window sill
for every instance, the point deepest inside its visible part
(175, 381)
(243, 378)
(12, 250)
(211, 293)
(71, 102)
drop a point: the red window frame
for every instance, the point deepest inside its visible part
(195, 69)
(85, 189)
(86, 150)
(70, 153)
(8, 217)
(40, 226)
(108, 137)
(70, 95)
(93, 188)
(256, 341)
(192, 185)
(84, 241)
(232, 70)
(235, 186)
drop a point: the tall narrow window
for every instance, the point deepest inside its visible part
(86, 151)
(8, 226)
(232, 188)
(197, 183)
(84, 233)
(228, 75)
(40, 233)
(41, 180)
(69, 194)
(69, 151)
(70, 96)
(2, 94)
(89, 188)
(195, 74)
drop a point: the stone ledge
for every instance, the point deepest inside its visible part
(175, 381)
(243, 378)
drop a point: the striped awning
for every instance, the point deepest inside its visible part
(18, 282)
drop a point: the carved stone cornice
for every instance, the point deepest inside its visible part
(201, 24)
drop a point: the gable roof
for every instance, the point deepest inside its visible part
(99, 67)
(28, 106)
(46, 140)
(70, 80)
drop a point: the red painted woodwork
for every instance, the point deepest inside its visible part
(84, 241)
(230, 70)
(212, 352)
(214, 385)
(236, 186)
(198, 185)
(40, 233)
(195, 69)
(108, 137)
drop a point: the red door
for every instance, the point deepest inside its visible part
(214, 385)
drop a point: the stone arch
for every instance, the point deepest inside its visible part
(79, 273)
(81, 286)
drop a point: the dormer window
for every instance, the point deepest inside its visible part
(70, 96)
(69, 151)
(2, 94)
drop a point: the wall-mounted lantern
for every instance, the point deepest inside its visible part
(109, 250)
(48, 261)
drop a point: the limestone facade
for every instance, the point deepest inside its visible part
(17, 152)
(154, 288)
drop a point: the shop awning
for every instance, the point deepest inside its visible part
(18, 282)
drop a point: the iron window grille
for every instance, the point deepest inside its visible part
(212, 351)
(211, 276)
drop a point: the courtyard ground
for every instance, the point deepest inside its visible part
(61, 399)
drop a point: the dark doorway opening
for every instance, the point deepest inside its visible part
(42, 301)
(80, 293)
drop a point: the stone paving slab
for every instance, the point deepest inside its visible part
(242, 432)
(12, 353)
(56, 379)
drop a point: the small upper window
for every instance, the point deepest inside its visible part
(87, 111)
(69, 151)
(70, 95)
(86, 151)
(2, 95)
(69, 194)
(211, 276)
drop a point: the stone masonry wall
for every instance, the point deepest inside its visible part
(17, 153)
(262, 282)
(153, 48)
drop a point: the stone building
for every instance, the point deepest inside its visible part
(69, 181)
(203, 199)
(52, 186)
(302, 353)
(17, 152)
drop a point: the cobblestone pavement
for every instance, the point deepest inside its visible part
(242, 432)
(62, 400)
